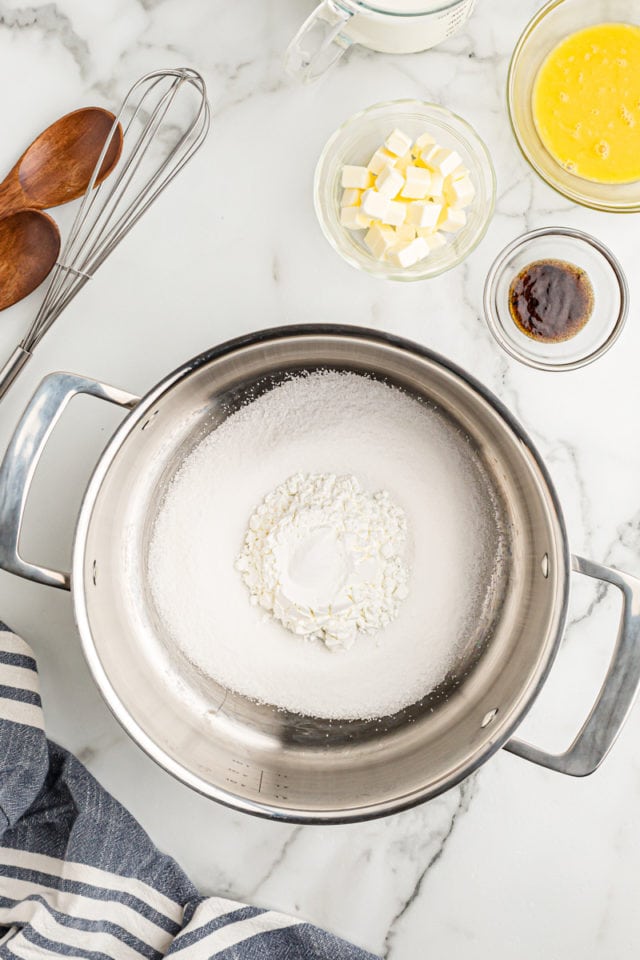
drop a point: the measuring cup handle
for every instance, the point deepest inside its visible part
(319, 43)
(618, 691)
(21, 459)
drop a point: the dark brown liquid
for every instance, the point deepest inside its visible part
(551, 300)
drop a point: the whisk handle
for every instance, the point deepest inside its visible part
(12, 368)
(21, 459)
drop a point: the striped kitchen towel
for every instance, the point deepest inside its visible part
(80, 878)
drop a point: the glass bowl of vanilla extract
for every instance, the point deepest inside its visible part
(556, 299)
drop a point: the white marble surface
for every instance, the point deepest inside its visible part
(518, 862)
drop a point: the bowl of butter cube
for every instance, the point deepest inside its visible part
(404, 190)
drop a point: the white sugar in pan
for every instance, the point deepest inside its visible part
(341, 423)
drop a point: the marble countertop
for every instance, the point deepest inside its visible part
(518, 861)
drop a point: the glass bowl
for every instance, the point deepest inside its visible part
(610, 298)
(551, 24)
(355, 142)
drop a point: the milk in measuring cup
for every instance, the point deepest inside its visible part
(406, 26)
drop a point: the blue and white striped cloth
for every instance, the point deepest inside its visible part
(80, 878)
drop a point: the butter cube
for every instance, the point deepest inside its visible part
(351, 197)
(401, 163)
(434, 240)
(424, 141)
(444, 161)
(424, 213)
(436, 187)
(417, 183)
(379, 239)
(408, 254)
(395, 214)
(354, 219)
(405, 233)
(381, 158)
(389, 182)
(459, 191)
(374, 204)
(429, 152)
(358, 178)
(452, 219)
(398, 143)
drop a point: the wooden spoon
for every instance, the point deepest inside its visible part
(29, 246)
(58, 165)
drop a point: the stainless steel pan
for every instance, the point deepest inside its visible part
(251, 756)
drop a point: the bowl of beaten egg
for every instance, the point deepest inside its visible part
(574, 100)
(426, 167)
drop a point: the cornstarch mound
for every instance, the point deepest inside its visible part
(362, 432)
(325, 558)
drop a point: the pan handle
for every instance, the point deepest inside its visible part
(618, 691)
(21, 459)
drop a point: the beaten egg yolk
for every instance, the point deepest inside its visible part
(586, 103)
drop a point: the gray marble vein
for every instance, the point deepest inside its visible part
(466, 793)
(53, 24)
(276, 864)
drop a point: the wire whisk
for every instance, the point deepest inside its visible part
(156, 146)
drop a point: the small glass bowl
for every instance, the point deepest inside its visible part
(552, 24)
(610, 298)
(355, 142)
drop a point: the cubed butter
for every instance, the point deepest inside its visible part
(380, 238)
(395, 214)
(401, 163)
(436, 187)
(426, 155)
(398, 143)
(374, 204)
(380, 159)
(417, 183)
(434, 240)
(444, 161)
(408, 254)
(358, 178)
(452, 219)
(389, 182)
(459, 191)
(424, 213)
(424, 140)
(405, 233)
(354, 219)
(351, 197)
(408, 198)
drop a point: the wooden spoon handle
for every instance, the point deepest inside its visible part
(12, 198)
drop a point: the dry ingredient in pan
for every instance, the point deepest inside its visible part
(551, 300)
(324, 558)
(347, 424)
(408, 198)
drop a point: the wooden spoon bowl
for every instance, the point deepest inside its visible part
(29, 247)
(58, 165)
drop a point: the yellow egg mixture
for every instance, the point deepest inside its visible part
(586, 103)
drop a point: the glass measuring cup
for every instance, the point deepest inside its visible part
(391, 26)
